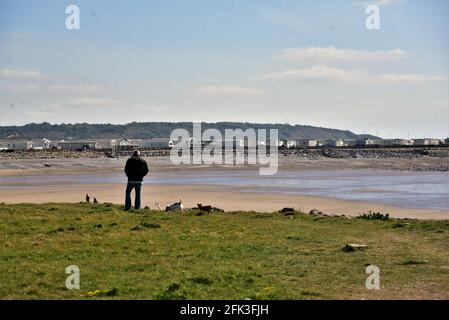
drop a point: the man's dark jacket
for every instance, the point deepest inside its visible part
(135, 169)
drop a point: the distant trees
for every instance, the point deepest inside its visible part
(146, 130)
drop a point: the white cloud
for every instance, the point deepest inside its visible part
(76, 88)
(62, 88)
(91, 101)
(226, 90)
(392, 77)
(324, 73)
(326, 54)
(319, 72)
(21, 74)
(380, 3)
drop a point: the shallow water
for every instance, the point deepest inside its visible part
(428, 190)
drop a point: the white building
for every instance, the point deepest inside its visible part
(350, 142)
(282, 143)
(129, 143)
(396, 142)
(46, 144)
(306, 143)
(41, 144)
(19, 145)
(81, 145)
(426, 142)
(156, 143)
(335, 143)
(364, 142)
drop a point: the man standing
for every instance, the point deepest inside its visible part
(136, 168)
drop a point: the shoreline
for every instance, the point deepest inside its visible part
(225, 197)
(229, 198)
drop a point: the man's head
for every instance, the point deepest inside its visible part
(136, 153)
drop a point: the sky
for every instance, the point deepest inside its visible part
(298, 62)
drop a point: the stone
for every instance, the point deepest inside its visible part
(315, 212)
(287, 210)
(350, 247)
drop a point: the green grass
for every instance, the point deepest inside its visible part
(155, 255)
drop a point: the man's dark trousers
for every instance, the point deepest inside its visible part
(137, 186)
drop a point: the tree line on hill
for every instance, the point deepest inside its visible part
(146, 130)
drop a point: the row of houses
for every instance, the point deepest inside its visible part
(155, 143)
(79, 145)
(166, 143)
(18, 144)
(311, 143)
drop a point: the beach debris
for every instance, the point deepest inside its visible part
(177, 206)
(206, 208)
(315, 212)
(209, 208)
(147, 208)
(47, 165)
(95, 200)
(350, 247)
(157, 205)
(287, 210)
(87, 198)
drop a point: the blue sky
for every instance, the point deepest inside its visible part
(298, 62)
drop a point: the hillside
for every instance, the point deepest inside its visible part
(160, 130)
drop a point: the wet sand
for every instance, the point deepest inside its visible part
(226, 197)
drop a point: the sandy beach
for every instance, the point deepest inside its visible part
(229, 198)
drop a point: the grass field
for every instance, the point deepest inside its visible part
(153, 255)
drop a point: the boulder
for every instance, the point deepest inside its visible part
(287, 210)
